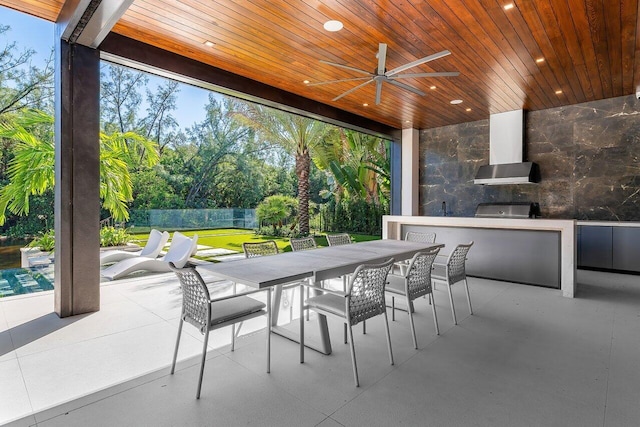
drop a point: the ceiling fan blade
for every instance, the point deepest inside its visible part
(337, 81)
(346, 67)
(417, 62)
(352, 89)
(378, 91)
(407, 87)
(438, 74)
(382, 58)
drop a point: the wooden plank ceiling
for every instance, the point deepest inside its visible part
(508, 59)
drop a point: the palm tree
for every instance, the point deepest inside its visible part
(275, 209)
(31, 171)
(295, 133)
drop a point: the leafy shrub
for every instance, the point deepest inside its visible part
(278, 232)
(46, 241)
(111, 236)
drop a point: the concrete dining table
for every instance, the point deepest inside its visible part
(315, 265)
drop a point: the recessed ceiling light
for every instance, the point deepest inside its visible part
(558, 92)
(305, 82)
(456, 101)
(333, 25)
(508, 6)
(407, 121)
(365, 105)
(468, 109)
(432, 87)
(209, 43)
(539, 60)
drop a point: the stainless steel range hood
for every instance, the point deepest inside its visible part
(506, 147)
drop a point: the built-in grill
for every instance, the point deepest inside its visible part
(508, 210)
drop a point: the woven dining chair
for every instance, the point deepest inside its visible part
(207, 314)
(414, 283)
(338, 239)
(302, 243)
(363, 300)
(266, 248)
(453, 272)
(415, 236)
(256, 249)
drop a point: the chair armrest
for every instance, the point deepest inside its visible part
(325, 290)
(237, 295)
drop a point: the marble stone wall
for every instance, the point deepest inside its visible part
(588, 157)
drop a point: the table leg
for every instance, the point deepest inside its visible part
(324, 346)
(301, 324)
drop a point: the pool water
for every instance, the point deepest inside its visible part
(19, 281)
(10, 252)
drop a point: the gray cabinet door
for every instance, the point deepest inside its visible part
(626, 248)
(596, 248)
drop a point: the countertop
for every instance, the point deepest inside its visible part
(506, 223)
(610, 223)
(392, 229)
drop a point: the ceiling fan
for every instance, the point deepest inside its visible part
(381, 75)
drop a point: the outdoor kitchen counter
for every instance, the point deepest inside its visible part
(527, 247)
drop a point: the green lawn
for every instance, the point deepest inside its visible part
(232, 238)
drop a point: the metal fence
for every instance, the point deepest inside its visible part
(184, 219)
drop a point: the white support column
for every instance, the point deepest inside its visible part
(410, 175)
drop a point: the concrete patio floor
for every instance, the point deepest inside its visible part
(527, 357)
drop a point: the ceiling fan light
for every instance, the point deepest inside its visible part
(333, 25)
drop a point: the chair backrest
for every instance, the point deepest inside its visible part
(456, 263)
(303, 243)
(255, 249)
(154, 245)
(181, 249)
(338, 239)
(366, 291)
(414, 236)
(195, 297)
(418, 274)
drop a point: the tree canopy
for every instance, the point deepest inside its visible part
(241, 154)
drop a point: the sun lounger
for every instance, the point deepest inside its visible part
(182, 247)
(152, 249)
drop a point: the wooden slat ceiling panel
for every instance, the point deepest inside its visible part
(49, 9)
(591, 49)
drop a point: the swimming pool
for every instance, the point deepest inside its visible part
(19, 281)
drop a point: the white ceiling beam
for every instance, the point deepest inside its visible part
(87, 22)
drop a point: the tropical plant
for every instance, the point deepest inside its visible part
(118, 152)
(274, 210)
(46, 241)
(297, 134)
(359, 166)
(31, 171)
(112, 236)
